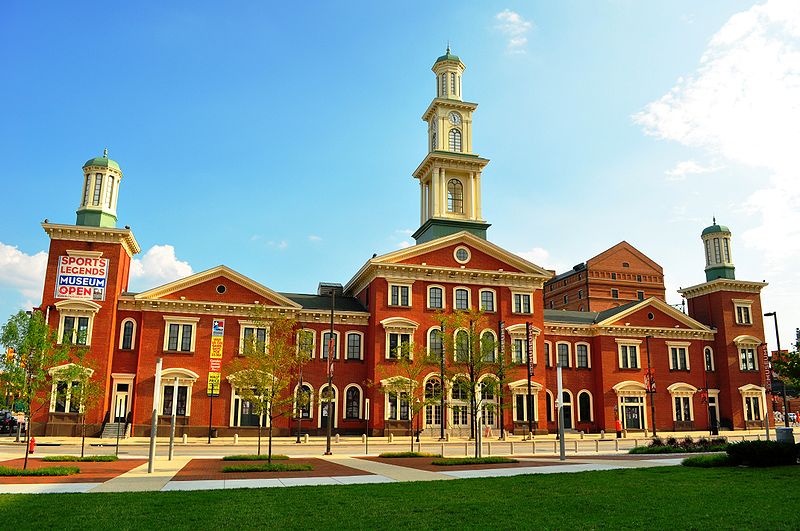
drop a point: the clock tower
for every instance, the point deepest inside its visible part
(450, 174)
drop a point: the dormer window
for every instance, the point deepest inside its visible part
(455, 195)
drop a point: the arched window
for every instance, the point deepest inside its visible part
(352, 406)
(488, 347)
(98, 187)
(455, 140)
(109, 191)
(455, 196)
(549, 405)
(303, 401)
(709, 359)
(462, 346)
(584, 407)
(435, 298)
(435, 345)
(566, 407)
(128, 329)
(433, 392)
(86, 187)
(489, 389)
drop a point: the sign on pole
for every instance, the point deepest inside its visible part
(215, 357)
(81, 277)
(530, 345)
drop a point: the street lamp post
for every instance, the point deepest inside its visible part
(774, 315)
(442, 416)
(650, 386)
(328, 391)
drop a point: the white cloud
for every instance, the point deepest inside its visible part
(689, 167)
(542, 258)
(314, 238)
(742, 104)
(515, 27)
(157, 266)
(23, 273)
(404, 244)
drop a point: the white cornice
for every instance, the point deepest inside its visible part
(722, 284)
(450, 160)
(449, 104)
(566, 329)
(80, 233)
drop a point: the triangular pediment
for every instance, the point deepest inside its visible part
(483, 255)
(203, 287)
(614, 256)
(639, 315)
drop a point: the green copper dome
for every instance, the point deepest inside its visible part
(104, 162)
(716, 228)
(448, 57)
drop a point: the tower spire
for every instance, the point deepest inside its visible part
(101, 179)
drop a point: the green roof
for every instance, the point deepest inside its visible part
(716, 228)
(448, 57)
(104, 162)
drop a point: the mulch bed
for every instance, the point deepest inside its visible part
(90, 472)
(424, 463)
(210, 469)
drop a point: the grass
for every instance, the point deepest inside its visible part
(6, 471)
(253, 457)
(78, 459)
(450, 461)
(654, 498)
(708, 461)
(267, 467)
(675, 449)
(407, 454)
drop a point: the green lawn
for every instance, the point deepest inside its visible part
(658, 498)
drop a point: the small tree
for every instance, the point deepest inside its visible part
(787, 367)
(404, 379)
(473, 355)
(85, 392)
(36, 349)
(266, 369)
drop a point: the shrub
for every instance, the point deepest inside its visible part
(253, 457)
(708, 461)
(85, 459)
(408, 454)
(719, 441)
(762, 453)
(655, 450)
(45, 471)
(449, 461)
(687, 443)
(703, 442)
(672, 441)
(267, 467)
(657, 441)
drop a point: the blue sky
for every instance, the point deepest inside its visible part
(280, 140)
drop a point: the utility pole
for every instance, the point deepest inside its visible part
(651, 386)
(329, 390)
(154, 423)
(443, 415)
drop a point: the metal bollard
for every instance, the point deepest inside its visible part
(185, 439)
(442, 452)
(576, 446)
(581, 434)
(391, 437)
(616, 445)
(466, 448)
(337, 438)
(597, 446)
(488, 448)
(363, 437)
(235, 438)
(602, 434)
(305, 438)
(512, 447)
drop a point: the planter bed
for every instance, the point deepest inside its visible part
(90, 472)
(425, 463)
(211, 469)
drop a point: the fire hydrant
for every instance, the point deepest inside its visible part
(31, 445)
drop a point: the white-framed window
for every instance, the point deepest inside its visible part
(398, 343)
(328, 398)
(452, 82)
(98, 187)
(64, 393)
(399, 294)
(436, 299)
(742, 307)
(489, 389)
(397, 406)
(353, 402)
(462, 254)
(585, 406)
(489, 346)
(563, 352)
(640, 295)
(549, 406)
(708, 359)
(127, 334)
(461, 298)
(548, 347)
(487, 300)
(325, 345)
(355, 345)
(398, 332)
(306, 341)
(583, 358)
(86, 187)
(522, 303)
(461, 346)
(179, 333)
(566, 298)
(753, 402)
(76, 321)
(629, 355)
(243, 412)
(253, 334)
(615, 293)
(518, 350)
(433, 391)
(303, 401)
(678, 356)
(185, 379)
(435, 343)
(747, 346)
(580, 294)
(682, 406)
(752, 408)
(459, 402)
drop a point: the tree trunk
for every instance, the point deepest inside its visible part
(259, 437)
(27, 439)
(83, 433)
(411, 427)
(269, 451)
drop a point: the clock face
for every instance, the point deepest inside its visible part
(455, 118)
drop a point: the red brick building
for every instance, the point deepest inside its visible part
(706, 366)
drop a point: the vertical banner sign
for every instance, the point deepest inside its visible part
(529, 345)
(215, 358)
(767, 369)
(81, 277)
(501, 331)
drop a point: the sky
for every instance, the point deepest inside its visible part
(279, 138)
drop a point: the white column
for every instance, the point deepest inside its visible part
(478, 196)
(436, 193)
(421, 202)
(443, 186)
(472, 195)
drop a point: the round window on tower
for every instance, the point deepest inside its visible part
(462, 255)
(221, 289)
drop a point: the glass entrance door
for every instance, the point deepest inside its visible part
(121, 402)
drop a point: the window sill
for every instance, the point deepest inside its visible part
(399, 305)
(189, 352)
(754, 371)
(522, 313)
(630, 369)
(429, 308)
(354, 360)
